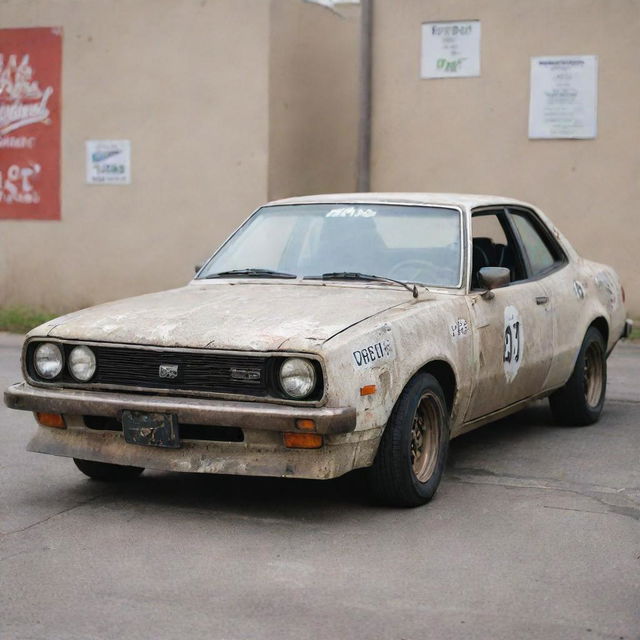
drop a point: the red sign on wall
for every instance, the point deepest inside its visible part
(30, 66)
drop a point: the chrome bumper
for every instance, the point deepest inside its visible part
(221, 413)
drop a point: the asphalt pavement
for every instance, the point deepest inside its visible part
(534, 533)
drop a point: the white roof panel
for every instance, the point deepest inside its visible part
(464, 200)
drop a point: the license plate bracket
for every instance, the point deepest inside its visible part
(151, 429)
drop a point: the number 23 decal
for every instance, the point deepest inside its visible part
(513, 342)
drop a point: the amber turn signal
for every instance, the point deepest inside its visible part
(51, 420)
(302, 440)
(305, 424)
(368, 390)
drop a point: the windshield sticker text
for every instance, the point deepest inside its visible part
(351, 212)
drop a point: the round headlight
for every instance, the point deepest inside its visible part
(47, 360)
(297, 377)
(82, 363)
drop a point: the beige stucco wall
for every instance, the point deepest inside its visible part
(470, 134)
(187, 82)
(230, 102)
(313, 98)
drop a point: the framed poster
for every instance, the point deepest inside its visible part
(564, 97)
(30, 102)
(450, 49)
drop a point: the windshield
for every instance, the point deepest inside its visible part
(408, 243)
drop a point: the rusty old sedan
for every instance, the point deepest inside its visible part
(332, 333)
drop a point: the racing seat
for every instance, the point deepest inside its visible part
(488, 254)
(346, 244)
(505, 258)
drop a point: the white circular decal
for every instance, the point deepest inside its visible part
(513, 342)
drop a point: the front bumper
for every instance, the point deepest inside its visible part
(262, 453)
(235, 458)
(220, 413)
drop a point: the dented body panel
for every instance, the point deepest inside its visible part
(493, 353)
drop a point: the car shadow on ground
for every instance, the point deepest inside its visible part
(261, 496)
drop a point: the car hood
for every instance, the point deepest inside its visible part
(230, 315)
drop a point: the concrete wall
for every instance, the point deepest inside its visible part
(187, 82)
(313, 98)
(470, 134)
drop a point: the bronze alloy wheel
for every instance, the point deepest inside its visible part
(579, 402)
(425, 436)
(413, 449)
(593, 374)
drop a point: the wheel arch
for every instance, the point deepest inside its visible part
(443, 372)
(601, 324)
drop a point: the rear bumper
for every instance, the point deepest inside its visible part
(221, 413)
(628, 328)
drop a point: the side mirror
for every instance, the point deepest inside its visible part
(197, 267)
(493, 278)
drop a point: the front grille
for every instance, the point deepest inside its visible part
(188, 372)
(208, 372)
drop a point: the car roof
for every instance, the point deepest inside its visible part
(465, 200)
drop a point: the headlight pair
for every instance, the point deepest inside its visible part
(48, 361)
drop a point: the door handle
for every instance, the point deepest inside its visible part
(542, 299)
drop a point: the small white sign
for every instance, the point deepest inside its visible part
(564, 96)
(108, 161)
(450, 49)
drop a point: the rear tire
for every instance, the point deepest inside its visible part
(413, 450)
(579, 403)
(106, 472)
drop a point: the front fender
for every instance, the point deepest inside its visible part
(387, 352)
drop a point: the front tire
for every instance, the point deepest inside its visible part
(413, 450)
(579, 403)
(106, 472)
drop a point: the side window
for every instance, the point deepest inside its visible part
(488, 226)
(493, 245)
(539, 253)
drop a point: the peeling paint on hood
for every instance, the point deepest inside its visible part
(230, 315)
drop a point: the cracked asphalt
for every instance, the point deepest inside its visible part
(534, 533)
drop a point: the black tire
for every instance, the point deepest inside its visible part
(107, 472)
(401, 475)
(579, 403)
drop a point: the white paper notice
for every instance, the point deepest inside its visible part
(564, 97)
(450, 49)
(108, 161)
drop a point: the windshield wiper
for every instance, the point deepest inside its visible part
(258, 273)
(356, 275)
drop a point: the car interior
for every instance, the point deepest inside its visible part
(493, 246)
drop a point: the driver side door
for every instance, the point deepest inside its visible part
(513, 328)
